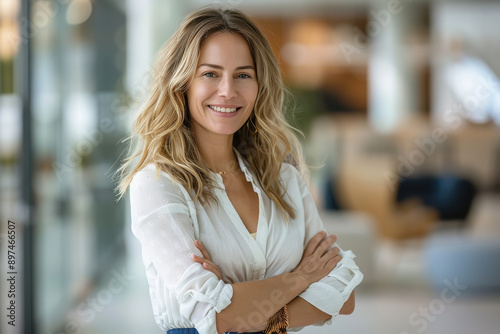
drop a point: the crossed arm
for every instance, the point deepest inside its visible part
(302, 313)
(259, 300)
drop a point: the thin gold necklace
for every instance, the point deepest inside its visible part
(223, 172)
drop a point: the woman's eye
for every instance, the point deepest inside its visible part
(209, 75)
(244, 76)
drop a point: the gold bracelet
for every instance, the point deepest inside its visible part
(278, 323)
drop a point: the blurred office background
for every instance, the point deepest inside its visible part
(400, 105)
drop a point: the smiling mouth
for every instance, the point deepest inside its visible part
(225, 110)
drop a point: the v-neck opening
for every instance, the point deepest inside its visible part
(236, 214)
(241, 225)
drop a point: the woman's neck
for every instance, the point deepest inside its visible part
(218, 153)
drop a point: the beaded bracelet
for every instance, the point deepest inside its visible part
(278, 323)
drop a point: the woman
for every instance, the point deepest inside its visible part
(231, 237)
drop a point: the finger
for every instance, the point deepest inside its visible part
(332, 263)
(325, 244)
(202, 249)
(198, 259)
(332, 252)
(212, 268)
(204, 262)
(208, 266)
(336, 257)
(314, 242)
(330, 241)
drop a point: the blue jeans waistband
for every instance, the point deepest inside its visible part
(194, 331)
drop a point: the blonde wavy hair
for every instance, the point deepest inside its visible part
(161, 132)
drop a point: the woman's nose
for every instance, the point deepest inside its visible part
(227, 88)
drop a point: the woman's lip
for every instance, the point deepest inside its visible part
(224, 105)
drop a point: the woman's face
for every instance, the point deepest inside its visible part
(224, 88)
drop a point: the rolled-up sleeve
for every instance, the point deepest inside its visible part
(162, 222)
(330, 293)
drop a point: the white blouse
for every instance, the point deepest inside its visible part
(166, 221)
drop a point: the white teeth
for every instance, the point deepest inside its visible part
(226, 110)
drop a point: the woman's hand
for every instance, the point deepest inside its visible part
(206, 261)
(317, 261)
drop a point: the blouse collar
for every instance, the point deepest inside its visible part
(244, 166)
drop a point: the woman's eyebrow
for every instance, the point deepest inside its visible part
(246, 67)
